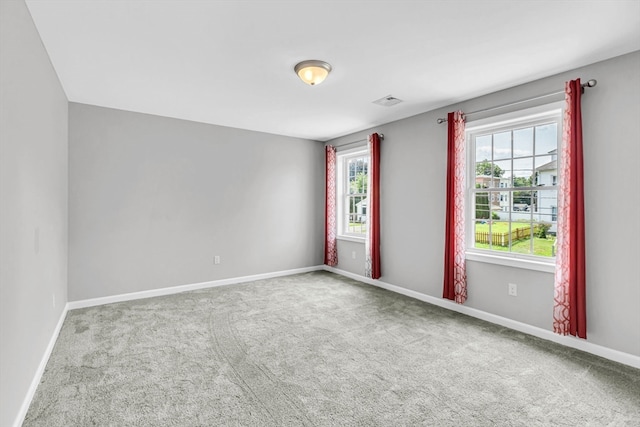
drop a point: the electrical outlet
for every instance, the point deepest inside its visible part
(353, 254)
(216, 259)
(513, 289)
(54, 300)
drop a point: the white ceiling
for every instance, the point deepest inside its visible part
(231, 62)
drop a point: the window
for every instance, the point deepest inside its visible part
(512, 179)
(353, 166)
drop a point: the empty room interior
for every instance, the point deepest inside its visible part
(356, 213)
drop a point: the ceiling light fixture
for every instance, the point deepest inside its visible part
(312, 72)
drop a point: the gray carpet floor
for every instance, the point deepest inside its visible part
(317, 349)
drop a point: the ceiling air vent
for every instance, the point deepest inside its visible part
(388, 101)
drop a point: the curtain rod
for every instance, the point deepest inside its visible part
(590, 83)
(381, 135)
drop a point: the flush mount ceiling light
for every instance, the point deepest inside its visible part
(312, 72)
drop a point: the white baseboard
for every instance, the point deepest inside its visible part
(566, 340)
(72, 305)
(38, 374)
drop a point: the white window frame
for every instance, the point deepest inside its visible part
(528, 117)
(342, 192)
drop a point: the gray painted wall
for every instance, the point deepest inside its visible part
(152, 200)
(33, 204)
(413, 171)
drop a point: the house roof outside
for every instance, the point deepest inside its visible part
(552, 165)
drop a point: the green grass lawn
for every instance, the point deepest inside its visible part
(541, 247)
(357, 227)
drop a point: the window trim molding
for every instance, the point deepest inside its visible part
(512, 260)
(496, 123)
(351, 238)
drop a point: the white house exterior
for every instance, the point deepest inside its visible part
(547, 181)
(361, 210)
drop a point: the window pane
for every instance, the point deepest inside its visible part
(523, 142)
(521, 205)
(523, 172)
(545, 223)
(494, 204)
(483, 148)
(502, 145)
(546, 138)
(544, 246)
(500, 235)
(545, 167)
(357, 172)
(482, 205)
(484, 168)
(357, 214)
(482, 236)
(503, 174)
(521, 237)
(547, 207)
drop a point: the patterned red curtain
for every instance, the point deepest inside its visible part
(455, 275)
(330, 243)
(569, 311)
(372, 241)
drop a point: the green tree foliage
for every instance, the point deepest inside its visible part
(484, 169)
(359, 184)
(541, 229)
(521, 181)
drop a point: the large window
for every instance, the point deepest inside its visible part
(512, 190)
(353, 166)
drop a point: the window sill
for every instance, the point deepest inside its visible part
(354, 239)
(528, 264)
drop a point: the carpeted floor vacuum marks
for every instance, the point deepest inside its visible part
(272, 398)
(316, 349)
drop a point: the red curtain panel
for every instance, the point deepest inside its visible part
(455, 275)
(569, 312)
(330, 243)
(372, 242)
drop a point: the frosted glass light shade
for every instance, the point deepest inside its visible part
(312, 72)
